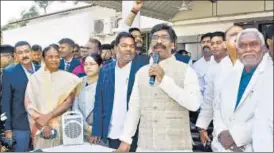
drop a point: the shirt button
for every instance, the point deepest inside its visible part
(155, 107)
(155, 121)
(155, 94)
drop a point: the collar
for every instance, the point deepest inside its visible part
(69, 60)
(125, 67)
(250, 72)
(33, 67)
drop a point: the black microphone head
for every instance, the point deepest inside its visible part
(156, 57)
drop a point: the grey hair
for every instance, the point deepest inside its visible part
(250, 30)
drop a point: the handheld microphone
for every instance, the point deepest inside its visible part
(155, 57)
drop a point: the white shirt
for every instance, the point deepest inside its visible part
(28, 74)
(67, 64)
(120, 101)
(188, 97)
(201, 67)
(262, 131)
(212, 82)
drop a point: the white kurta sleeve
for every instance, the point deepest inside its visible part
(206, 112)
(219, 125)
(241, 133)
(133, 114)
(262, 131)
(189, 96)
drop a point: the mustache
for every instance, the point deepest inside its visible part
(25, 58)
(159, 45)
(138, 41)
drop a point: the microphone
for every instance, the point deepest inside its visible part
(155, 57)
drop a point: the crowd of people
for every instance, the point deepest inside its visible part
(231, 85)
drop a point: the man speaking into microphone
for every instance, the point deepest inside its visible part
(163, 106)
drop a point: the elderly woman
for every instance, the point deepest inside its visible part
(84, 102)
(50, 93)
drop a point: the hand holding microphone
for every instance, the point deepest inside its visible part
(155, 70)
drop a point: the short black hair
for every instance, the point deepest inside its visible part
(106, 46)
(269, 32)
(122, 35)
(134, 29)
(112, 44)
(7, 49)
(68, 41)
(45, 50)
(218, 34)
(21, 43)
(55, 45)
(97, 58)
(166, 27)
(209, 34)
(96, 42)
(76, 46)
(36, 48)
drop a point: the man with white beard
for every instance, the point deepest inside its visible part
(233, 110)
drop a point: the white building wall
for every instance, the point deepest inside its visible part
(77, 25)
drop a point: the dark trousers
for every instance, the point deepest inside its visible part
(115, 143)
(22, 139)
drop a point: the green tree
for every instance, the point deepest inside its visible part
(32, 12)
(43, 4)
(25, 14)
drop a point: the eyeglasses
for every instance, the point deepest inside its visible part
(163, 38)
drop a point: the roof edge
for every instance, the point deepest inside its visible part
(54, 13)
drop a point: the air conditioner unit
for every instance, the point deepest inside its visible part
(72, 124)
(105, 26)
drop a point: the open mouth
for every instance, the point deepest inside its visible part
(159, 48)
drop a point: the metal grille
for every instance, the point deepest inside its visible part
(73, 130)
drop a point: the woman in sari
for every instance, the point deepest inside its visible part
(49, 94)
(84, 102)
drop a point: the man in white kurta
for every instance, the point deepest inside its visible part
(216, 75)
(201, 66)
(221, 61)
(233, 108)
(162, 108)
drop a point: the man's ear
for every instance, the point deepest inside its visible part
(269, 41)
(173, 46)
